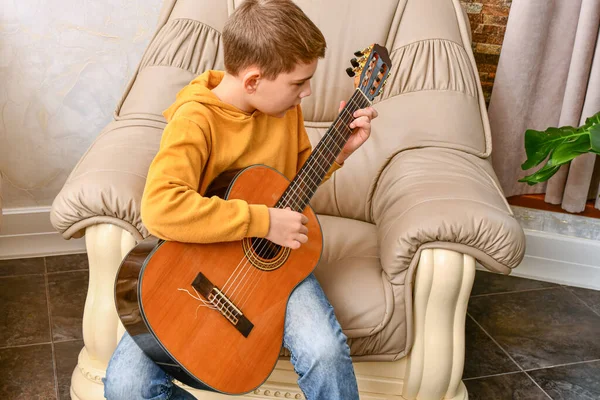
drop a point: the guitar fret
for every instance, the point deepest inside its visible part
(310, 176)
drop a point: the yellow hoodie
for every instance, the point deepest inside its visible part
(205, 137)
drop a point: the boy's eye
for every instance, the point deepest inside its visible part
(299, 83)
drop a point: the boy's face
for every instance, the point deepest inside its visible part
(275, 97)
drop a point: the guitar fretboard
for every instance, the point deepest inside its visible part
(307, 181)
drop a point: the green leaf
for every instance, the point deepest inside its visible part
(595, 138)
(593, 125)
(593, 120)
(570, 149)
(543, 174)
(539, 144)
(559, 146)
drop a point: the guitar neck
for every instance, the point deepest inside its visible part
(311, 175)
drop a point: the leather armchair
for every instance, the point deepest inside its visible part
(404, 220)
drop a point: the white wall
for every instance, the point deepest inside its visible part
(63, 67)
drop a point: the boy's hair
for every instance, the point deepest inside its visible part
(273, 35)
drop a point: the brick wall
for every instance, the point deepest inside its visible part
(488, 23)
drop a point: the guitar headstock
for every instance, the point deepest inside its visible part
(370, 70)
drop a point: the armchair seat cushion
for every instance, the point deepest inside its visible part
(350, 264)
(373, 316)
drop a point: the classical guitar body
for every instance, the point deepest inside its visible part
(212, 315)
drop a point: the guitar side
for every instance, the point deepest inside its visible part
(130, 314)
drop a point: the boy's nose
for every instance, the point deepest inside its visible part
(306, 93)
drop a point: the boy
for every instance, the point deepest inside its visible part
(225, 121)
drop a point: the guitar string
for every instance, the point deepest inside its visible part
(292, 192)
(346, 117)
(203, 303)
(291, 189)
(329, 138)
(252, 279)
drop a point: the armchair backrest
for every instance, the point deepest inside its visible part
(433, 97)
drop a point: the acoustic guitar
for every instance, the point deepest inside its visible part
(212, 315)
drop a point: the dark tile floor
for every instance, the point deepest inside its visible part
(525, 339)
(41, 310)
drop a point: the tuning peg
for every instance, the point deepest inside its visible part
(358, 53)
(354, 63)
(350, 72)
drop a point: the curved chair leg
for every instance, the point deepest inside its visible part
(106, 246)
(443, 283)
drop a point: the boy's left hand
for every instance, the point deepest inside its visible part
(361, 127)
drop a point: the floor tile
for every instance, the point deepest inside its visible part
(570, 382)
(482, 356)
(23, 311)
(540, 328)
(490, 282)
(24, 266)
(27, 373)
(66, 354)
(589, 297)
(504, 387)
(71, 262)
(67, 291)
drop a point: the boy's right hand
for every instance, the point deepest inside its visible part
(287, 228)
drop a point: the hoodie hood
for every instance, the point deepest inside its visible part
(200, 91)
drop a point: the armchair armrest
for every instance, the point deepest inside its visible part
(107, 183)
(443, 198)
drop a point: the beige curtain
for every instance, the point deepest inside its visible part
(548, 75)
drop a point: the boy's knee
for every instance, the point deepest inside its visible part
(328, 351)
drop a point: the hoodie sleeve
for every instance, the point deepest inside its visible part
(305, 148)
(172, 208)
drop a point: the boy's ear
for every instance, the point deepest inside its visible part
(250, 79)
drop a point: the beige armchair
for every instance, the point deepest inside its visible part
(404, 220)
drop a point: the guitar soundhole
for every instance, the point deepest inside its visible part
(265, 249)
(264, 254)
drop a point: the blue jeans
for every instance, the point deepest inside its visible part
(318, 348)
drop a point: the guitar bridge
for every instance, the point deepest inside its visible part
(225, 306)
